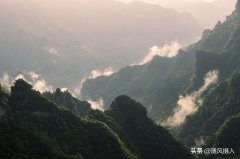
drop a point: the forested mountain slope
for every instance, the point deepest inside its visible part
(146, 138)
(34, 127)
(159, 83)
(65, 99)
(216, 122)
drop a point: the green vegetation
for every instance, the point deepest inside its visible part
(159, 83)
(221, 103)
(156, 84)
(228, 134)
(217, 120)
(222, 37)
(149, 138)
(129, 119)
(59, 126)
(37, 128)
(226, 63)
(34, 127)
(65, 99)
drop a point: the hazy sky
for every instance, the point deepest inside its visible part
(166, 1)
(208, 12)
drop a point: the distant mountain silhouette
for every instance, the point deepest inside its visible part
(64, 40)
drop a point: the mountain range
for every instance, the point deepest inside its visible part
(64, 41)
(34, 127)
(159, 83)
(156, 110)
(181, 87)
(207, 12)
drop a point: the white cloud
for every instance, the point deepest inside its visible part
(93, 74)
(41, 86)
(53, 51)
(64, 89)
(96, 73)
(34, 75)
(168, 50)
(5, 81)
(31, 77)
(98, 104)
(39, 83)
(19, 76)
(189, 104)
(77, 91)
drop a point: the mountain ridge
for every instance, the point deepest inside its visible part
(180, 75)
(70, 43)
(35, 127)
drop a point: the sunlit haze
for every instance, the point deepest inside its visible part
(67, 40)
(119, 79)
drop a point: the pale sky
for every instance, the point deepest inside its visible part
(166, 1)
(207, 14)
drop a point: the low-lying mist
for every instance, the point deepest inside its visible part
(32, 78)
(168, 50)
(189, 104)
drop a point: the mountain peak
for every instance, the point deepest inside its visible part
(21, 85)
(129, 107)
